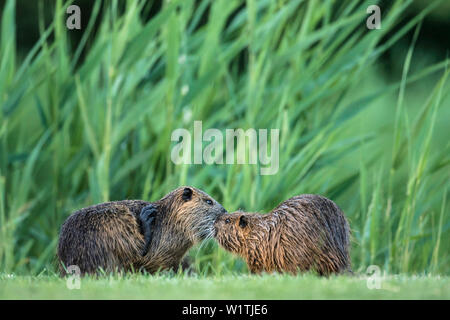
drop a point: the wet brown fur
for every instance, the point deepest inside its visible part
(109, 236)
(306, 232)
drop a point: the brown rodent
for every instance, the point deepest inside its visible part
(137, 235)
(306, 232)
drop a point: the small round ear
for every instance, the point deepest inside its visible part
(187, 194)
(243, 221)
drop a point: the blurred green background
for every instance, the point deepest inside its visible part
(86, 117)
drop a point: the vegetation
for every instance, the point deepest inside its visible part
(93, 123)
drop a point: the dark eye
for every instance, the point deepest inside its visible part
(208, 201)
(227, 221)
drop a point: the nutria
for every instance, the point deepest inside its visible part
(134, 235)
(306, 232)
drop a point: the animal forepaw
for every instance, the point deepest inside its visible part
(148, 213)
(147, 217)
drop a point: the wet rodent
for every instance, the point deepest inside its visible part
(132, 235)
(306, 232)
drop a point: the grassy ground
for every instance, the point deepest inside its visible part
(225, 287)
(91, 123)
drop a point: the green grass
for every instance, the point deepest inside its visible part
(79, 129)
(225, 287)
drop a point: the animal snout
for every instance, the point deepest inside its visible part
(220, 213)
(216, 226)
